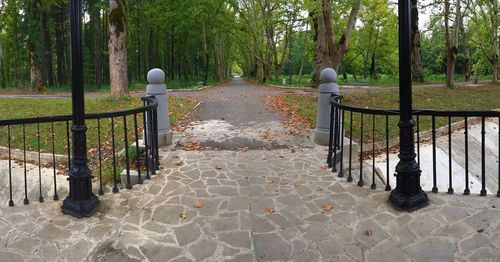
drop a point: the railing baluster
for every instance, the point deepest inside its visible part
(156, 147)
(361, 182)
(341, 171)
(26, 200)
(56, 196)
(466, 133)
(450, 168)
(40, 198)
(374, 186)
(418, 140)
(68, 145)
(349, 177)
(127, 160)
(99, 152)
(483, 157)
(335, 139)
(434, 173)
(330, 138)
(146, 146)
(137, 151)
(152, 144)
(11, 202)
(115, 186)
(388, 183)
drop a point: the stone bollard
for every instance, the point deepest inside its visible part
(157, 88)
(327, 87)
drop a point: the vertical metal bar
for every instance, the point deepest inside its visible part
(498, 192)
(388, 182)
(127, 160)
(342, 124)
(56, 196)
(115, 186)
(466, 133)
(40, 198)
(152, 144)
(361, 182)
(146, 146)
(483, 157)
(434, 173)
(450, 182)
(26, 200)
(335, 135)
(374, 186)
(101, 190)
(418, 139)
(157, 147)
(68, 145)
(330, 138)
(11, 202)
(137, 151)
(349, 177)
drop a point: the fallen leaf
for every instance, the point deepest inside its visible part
(183, 215)
(480, 230)
(327, 208)
(319, 189)
(270, 210)
(198, 204)
(368, 232)
(218, 167)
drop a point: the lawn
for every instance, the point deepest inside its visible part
(133, 87)
(485, 97)
(25, 108)
(384, 80)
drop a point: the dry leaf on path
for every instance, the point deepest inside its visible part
(270, 210)
(319, 189)
(368, 232)
(183, 215)
(198, 204)
(327, 208)
(217, 167)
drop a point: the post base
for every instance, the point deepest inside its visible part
(164, 138)
(80, 208)
(321, 137)
(409, 203)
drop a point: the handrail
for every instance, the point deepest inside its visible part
(335, 100)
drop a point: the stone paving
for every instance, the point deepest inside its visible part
(258, 205)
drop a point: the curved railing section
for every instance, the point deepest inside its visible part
(35, 153)
(454, 149)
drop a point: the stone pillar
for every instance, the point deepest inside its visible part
(157, 88)
(328, 86)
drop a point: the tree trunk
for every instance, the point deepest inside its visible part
(373, 73)
(117, 48)
(468, 60)
(60, 15)
(35, 75)
(416, 52)
(98, 48)
(46, 51)
(451, 42)
(496, 44)
(327, 53)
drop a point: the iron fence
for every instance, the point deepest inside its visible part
(41, 145)
(375, 133)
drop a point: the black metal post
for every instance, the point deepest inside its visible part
(408, 193)
(81, 201)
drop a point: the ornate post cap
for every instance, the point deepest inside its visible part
(156, 76)
(328, 75)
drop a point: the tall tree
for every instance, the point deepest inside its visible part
(329, 52)
(416, 52)
(118, 48)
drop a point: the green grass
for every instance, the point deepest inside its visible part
(134, 86)
(463, 98)
(384, 80)
(25, 108)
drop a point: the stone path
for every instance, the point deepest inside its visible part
(257, 205)
(235, 116)
(251, 205)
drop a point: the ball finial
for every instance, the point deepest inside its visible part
(156, 76)
(328, 75)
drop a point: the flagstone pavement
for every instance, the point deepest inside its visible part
(258, 205)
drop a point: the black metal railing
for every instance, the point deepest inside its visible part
(375, 133)
(42, 144)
